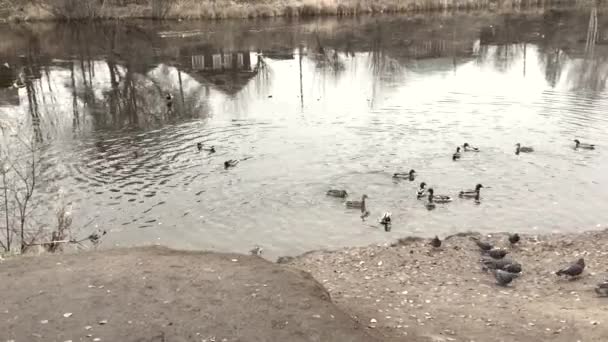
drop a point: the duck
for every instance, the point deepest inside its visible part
(468, 148)
(357, 204)
(230, 163)
(471, 193)
(524, 149)
(583, 146)
(438, 198)
(385, 220)
(210, 149)
(456, 155)
(337, 193)
(422, 191)
(409, 175)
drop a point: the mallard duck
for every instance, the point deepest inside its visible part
(524, 149)
(230, 163)
(583, 146)
(357, 204)
(468, 148)
(422, 191)
(438, 198)
(456, 155)
(410, 175)
(385, 220)
(337, 193)
(471, 193)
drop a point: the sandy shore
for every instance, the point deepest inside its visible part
(407, 291)
(155, 294)
(411, 289)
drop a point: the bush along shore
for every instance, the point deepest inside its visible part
(16, 10)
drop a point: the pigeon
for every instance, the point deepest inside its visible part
(257, 250)
(436, 242)
(497, 253)
(495, 264)
(514, 238)
(512, 268)
(602, 289)
(574, 269)
(503, 278)
(484, 246)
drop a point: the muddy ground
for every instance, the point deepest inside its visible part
(412, 289)
(157, 294)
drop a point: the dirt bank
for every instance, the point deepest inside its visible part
(15, 10)
(443, 295)
(157, 294)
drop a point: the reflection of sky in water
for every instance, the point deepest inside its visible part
(132, 167)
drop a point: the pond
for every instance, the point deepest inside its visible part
(309, 105)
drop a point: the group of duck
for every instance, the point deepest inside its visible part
(505, 269)
(429, 193)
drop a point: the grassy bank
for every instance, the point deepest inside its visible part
(17, 10)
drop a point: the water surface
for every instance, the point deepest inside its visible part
(308, 106)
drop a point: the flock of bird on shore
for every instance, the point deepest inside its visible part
(504, 269)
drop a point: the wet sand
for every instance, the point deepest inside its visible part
(412, 289)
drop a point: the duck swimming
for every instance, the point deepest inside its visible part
(337, 193)
(468, 148)
(456, 155)
(410, 175)
(471, 193)
(385, 220)
(524, 149)
(438, 198)
(230, 163)
(583, 146)
(422, 191)
(357, 204)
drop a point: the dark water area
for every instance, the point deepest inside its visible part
(310, 105)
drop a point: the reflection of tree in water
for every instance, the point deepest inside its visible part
(327, 60)
(590, 73)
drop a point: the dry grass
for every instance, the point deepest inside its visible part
(223, 9)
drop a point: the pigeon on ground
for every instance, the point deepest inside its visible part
(512, 268)
(495, 264)
(514, 238)
(574, 269)
(602, 289)
(484, 246)
(497, 253)
(435, 242)
(257, 250)
(503, 278)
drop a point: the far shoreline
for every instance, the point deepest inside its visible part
(172, 10)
